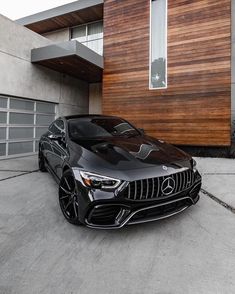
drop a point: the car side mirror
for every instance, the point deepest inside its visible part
(55, 137)
(142, 131)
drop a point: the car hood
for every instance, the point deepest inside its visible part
(130, 153)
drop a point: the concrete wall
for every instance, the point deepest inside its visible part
(58, 36)
(95, 98)
(233, 71)
(74, 98)
(19, 77)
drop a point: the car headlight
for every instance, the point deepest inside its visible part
(99, 182)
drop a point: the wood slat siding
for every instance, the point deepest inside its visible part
(195, 109)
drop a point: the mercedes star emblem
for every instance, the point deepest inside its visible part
(164, 167)
(168, 186)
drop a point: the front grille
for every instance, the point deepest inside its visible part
(152, 188)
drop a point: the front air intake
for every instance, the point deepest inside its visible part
(104, 215)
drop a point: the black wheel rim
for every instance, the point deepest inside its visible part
(68, 197)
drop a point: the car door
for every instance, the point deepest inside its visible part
(60, 148)
(48, 145)
(59, 152)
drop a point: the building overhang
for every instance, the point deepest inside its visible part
(72, 58)
(68, 15)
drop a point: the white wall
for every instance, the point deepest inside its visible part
(19, 77)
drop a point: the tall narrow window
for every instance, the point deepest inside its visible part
(158, 52)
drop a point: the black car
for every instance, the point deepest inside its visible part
(111, 174)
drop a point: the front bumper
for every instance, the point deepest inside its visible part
(118, 212)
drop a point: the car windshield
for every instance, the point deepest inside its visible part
(88, 127)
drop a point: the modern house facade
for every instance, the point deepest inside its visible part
(166, 66)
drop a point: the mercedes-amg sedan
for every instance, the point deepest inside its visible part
(111, 174)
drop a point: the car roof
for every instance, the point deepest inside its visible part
(88, 116)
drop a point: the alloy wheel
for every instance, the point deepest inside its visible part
(68, 197)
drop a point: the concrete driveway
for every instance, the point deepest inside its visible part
(40, 252)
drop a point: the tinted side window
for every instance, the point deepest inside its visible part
(55, 129)
(60, 124)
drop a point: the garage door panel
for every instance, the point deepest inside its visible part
(45, 107)
(2, 149)
(21, 104)
(3, 132)
(3, 117)
(3, 102)
(21, 118)
(22, 122)
(20, 147)
(44, 120)
(36, 145)
(40, 131)
(21, 133)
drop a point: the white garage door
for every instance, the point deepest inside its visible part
(22, 122)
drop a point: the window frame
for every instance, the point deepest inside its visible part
(150, 47)
(86, 37)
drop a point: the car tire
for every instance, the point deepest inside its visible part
(41, 162)
(69, 198)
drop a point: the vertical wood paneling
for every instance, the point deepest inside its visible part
(195, 109)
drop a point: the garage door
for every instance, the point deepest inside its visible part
(22, 122)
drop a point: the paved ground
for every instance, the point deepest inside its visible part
(41, 253)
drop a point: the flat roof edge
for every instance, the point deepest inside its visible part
(57, 11)
(64, 49)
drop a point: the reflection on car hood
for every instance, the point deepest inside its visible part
(126, 153)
